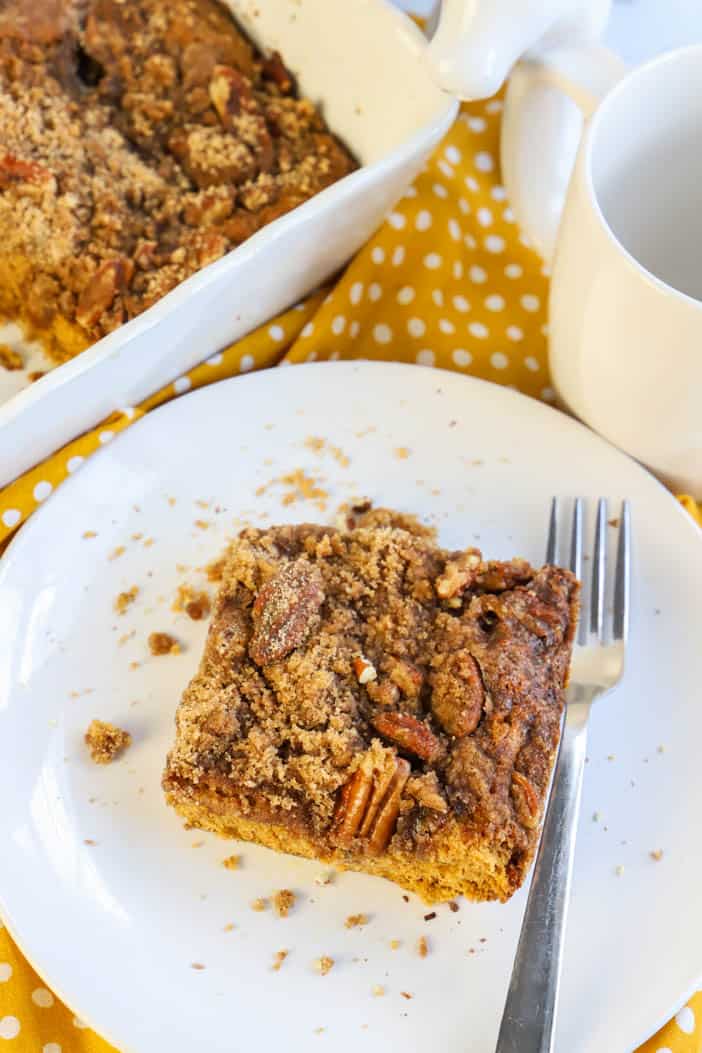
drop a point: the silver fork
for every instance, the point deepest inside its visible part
(529, 1018)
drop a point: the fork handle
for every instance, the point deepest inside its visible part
(528, 1021)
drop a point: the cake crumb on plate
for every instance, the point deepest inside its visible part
(124, 600)
(356, 921)
(163, 643)
(106, 741)
(283, 902)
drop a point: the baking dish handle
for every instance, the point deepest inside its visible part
(475, 43)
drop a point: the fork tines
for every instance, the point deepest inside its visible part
(605, 623)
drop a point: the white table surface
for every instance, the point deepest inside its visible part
(638, 29)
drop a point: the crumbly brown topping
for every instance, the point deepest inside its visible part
(278, 959)
(106, 741)
(140, 142)
(231, 862)
(323, 965)
(461, 719)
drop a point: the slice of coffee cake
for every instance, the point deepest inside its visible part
(369, 699)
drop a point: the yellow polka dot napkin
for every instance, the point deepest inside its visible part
(448, 281)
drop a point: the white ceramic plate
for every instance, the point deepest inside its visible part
(115, 925)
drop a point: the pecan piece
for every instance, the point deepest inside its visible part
(383, 692)
(230, 92)
(408, 678)
(458, 574)
(525, 799)
(498, 576)
(409, 734)
(425, 791)
(109, 280)
(273, 68)
(351, 806)
(458, 694)
(381, 783)
(286, 609)
(384, 825)
(364, 670)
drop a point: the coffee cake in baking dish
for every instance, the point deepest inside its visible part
(140, 141)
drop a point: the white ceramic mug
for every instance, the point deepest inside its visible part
(603, 167)
(625, 312)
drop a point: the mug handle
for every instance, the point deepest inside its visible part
(549, 97)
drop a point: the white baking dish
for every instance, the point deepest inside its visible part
(362, 60)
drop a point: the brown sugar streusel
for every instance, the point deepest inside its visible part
(106, 741)
(323, 965)
(283, 902)
(278, 959)
(259, 905)
(422, 947)
(163, 643)
(231, 862)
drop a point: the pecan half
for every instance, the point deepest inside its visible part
(409, 734)
(286, 609)
(109, 280)
(525, 799)
(458, 694)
